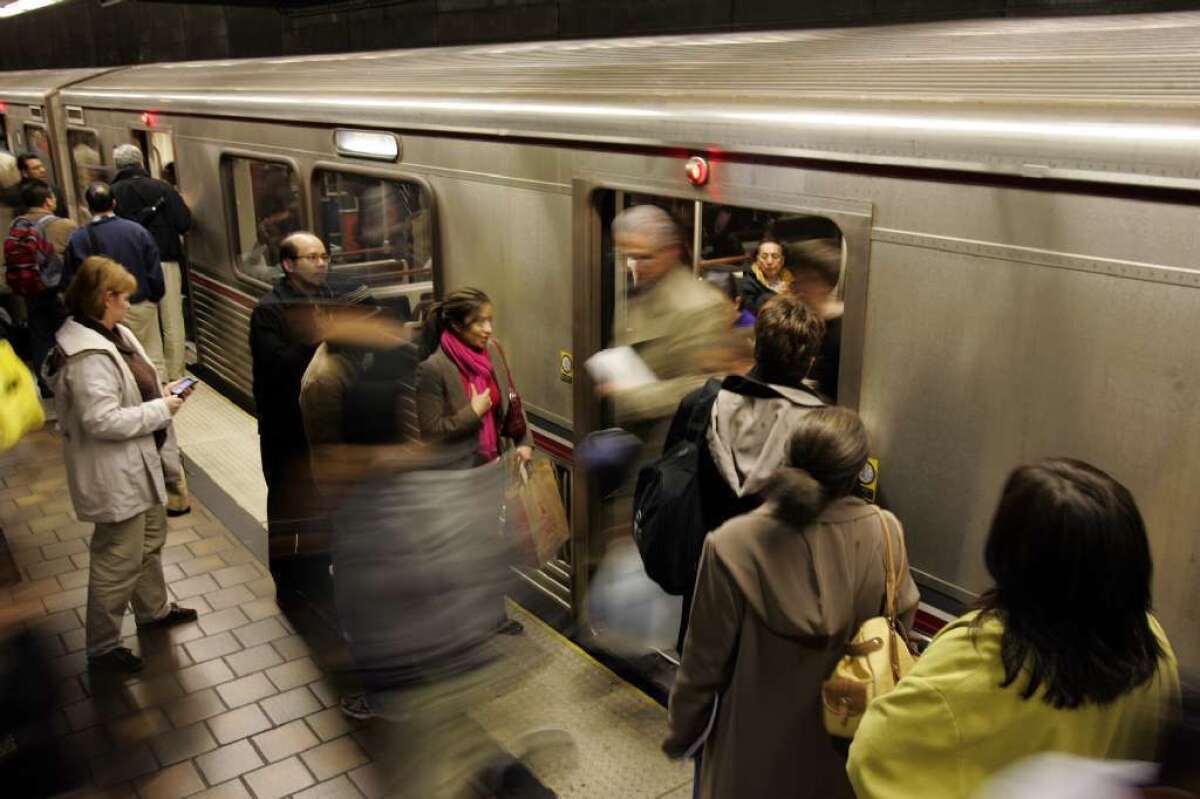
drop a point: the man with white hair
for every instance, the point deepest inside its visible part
(156, 206)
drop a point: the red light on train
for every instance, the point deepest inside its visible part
(696, 170)
(3, 107)
(149, 119)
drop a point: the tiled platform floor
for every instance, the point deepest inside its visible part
(236, 705)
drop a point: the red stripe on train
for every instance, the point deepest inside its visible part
(553, 448)
(244, 300)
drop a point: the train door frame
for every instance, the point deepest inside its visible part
(855, 220)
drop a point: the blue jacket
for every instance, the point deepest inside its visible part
(125, 242)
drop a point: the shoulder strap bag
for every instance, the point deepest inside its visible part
(514, 426)
(876, 657)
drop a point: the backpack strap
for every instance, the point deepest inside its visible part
(43, 223)
(698, 422)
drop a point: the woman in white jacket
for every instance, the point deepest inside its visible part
(113, 415)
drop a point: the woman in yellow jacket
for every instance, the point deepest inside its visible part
(1063, 655)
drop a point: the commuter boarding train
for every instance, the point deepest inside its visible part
(1018, 205)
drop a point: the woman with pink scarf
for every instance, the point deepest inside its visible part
(464, 388)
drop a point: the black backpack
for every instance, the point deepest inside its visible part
(668, 514)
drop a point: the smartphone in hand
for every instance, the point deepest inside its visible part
(183, 386)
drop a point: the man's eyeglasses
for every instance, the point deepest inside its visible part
(313, 257)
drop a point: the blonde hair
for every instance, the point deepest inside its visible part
(94, 279)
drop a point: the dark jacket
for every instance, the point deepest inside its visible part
(280, 348)
(753, 293)
(135, 190)
(125, 242)
(444, 411)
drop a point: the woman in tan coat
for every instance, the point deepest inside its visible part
(779, 593)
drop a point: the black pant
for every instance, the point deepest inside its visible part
(46, 314)
(298, 547)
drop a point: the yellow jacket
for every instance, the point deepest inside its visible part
(948, 725)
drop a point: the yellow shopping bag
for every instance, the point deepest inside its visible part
(20, 406)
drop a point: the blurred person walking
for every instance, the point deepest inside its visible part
(817, 267)
(159, 208)
(465, 393)
(780, 591)
(113, 412)
(1063, 656)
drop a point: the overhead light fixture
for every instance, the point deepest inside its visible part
(22, 6)
(378, 145)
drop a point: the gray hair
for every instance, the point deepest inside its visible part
(650, 221)
(127, 155)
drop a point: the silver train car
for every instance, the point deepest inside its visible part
(1016, 203)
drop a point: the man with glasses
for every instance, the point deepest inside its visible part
(286, 328)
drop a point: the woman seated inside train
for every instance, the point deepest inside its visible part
(465, 391)
(1063, 655)
(768, 276)
(779, 593)
(816, 267)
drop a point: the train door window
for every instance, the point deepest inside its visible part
(265, 205)
(4, 146)
(748, 253)
(37, 142)
(87, 163)
(377, 230)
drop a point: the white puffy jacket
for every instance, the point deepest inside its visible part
(113, 466)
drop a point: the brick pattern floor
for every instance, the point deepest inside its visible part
(231, 707)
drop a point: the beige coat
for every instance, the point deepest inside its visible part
(444, 411)
(679, 327)
(774, 606)
(114, 469)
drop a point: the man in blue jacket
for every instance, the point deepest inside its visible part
(130, 245)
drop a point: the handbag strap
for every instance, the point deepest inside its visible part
(512, 384)
(891, 585)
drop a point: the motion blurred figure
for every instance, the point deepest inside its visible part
(677, 325)
(1063, 656)
(816, 267)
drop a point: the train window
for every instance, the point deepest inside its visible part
(87, 164)
(266, 207)
(4, 134)
(37, 142)
(377, 230)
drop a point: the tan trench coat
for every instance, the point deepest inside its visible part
(773, 607)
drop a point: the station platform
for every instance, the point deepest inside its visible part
(239, 704)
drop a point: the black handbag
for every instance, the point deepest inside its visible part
(514, 425)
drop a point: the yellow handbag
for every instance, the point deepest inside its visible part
(20, 406)
(875, 658)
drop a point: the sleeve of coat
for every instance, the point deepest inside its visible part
(432, 419)
(906, 746)
(94, 383)
(708, 653)
(702, 334)
(181, 215)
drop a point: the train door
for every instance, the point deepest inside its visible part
(87, 165)
(4, 146)
(823, 256)
(37, 142)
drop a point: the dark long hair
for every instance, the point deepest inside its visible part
(826, 453)
(456, 308)
(1071, 563)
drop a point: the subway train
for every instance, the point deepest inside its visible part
(1016, 201)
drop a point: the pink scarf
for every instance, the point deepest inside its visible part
(475, 369)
